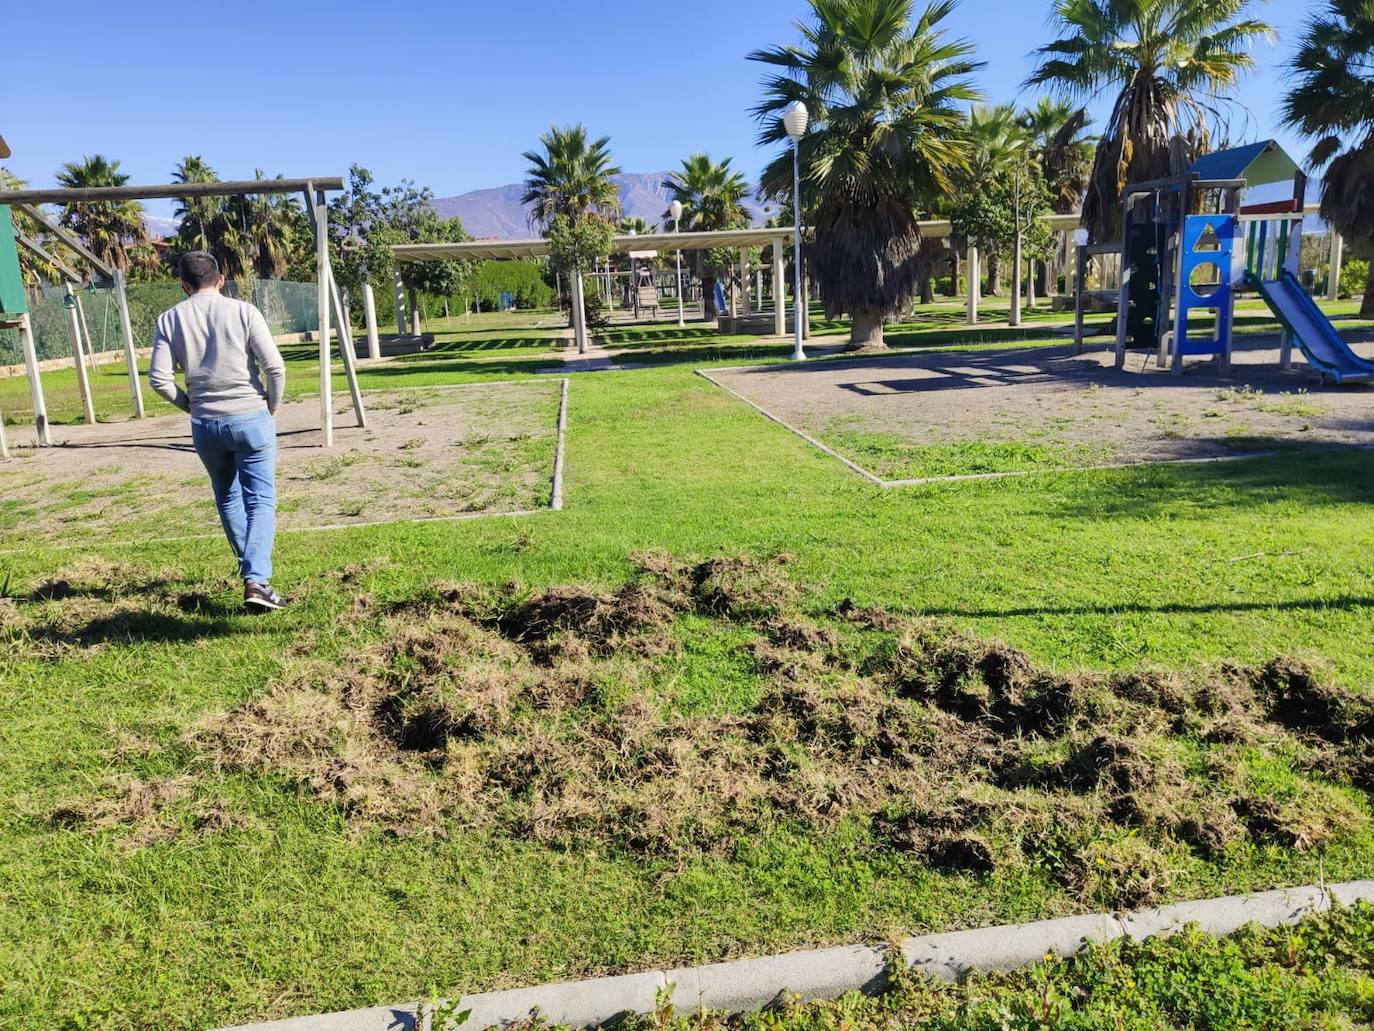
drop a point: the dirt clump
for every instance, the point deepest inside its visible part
(742, 587)
(1298, 699)
(542, 715)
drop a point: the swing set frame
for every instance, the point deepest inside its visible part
(328, 298)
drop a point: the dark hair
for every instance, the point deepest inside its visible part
(198, 269)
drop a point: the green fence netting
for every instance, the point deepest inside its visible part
(288, 306)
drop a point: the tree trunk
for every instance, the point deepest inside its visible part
(953, 290)
(1042, 278)
(1367, 305)
(994, 266)
(866, 332)
(928, 288)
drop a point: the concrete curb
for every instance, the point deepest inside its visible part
(826, 973)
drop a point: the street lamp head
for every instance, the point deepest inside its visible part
(675, 209)
(794, 120)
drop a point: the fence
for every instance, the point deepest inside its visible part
(288, 306)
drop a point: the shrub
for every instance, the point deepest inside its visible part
(1354, 275)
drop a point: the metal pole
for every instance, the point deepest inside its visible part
(798, 355)
(126, 330)
(681, 320)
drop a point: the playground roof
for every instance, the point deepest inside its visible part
(1256, 163)
(481, 250)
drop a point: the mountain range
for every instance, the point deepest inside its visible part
(497, 213)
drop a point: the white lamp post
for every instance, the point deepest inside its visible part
(794, 120)
(675, 209)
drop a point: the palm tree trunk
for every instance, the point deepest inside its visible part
(928, 288)
(708, 297)
(1367, 305)
(866, 330)
(953, 290)
(994, 266)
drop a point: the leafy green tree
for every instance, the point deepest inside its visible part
(1332, 99)
(1169, 61)
(113, 231)
(571, 176)
(577, 244)
(885, 88)
(712, 196)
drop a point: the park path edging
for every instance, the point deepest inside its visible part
(826, 973)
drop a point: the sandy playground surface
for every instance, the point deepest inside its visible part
(915, 415)
(429, 452)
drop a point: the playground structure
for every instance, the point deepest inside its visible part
(14, 312)
(1181, 253)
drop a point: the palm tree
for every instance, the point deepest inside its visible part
(884, 88)
(998, 145)
(635, 225)
(1063, 148)
(269, 229)
(712, 197)
(1332, 98)
(194, 214)
(1170, 61)
(571, 177)
(109, 228)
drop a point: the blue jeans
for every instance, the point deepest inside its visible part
(240, 454)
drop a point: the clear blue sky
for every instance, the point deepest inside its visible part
(448, 94)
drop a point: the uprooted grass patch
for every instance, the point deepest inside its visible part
(538, 714)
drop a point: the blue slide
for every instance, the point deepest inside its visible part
(1312, 330)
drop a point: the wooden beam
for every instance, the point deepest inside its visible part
(83, 381)
(168, 191)
(126, 333)
(40, 405)
(68, 237)
(38, 251)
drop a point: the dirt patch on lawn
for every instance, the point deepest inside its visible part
(534, 714)
(425, 453)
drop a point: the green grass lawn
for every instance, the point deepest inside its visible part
(248, 893)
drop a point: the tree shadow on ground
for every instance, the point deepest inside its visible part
(1312, 476)
(484, 369)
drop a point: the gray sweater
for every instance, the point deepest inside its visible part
(225, 349)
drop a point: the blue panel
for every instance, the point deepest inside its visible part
(1226, 229)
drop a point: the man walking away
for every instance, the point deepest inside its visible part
(226, 351)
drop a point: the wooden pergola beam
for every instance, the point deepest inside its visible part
(169, 191)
